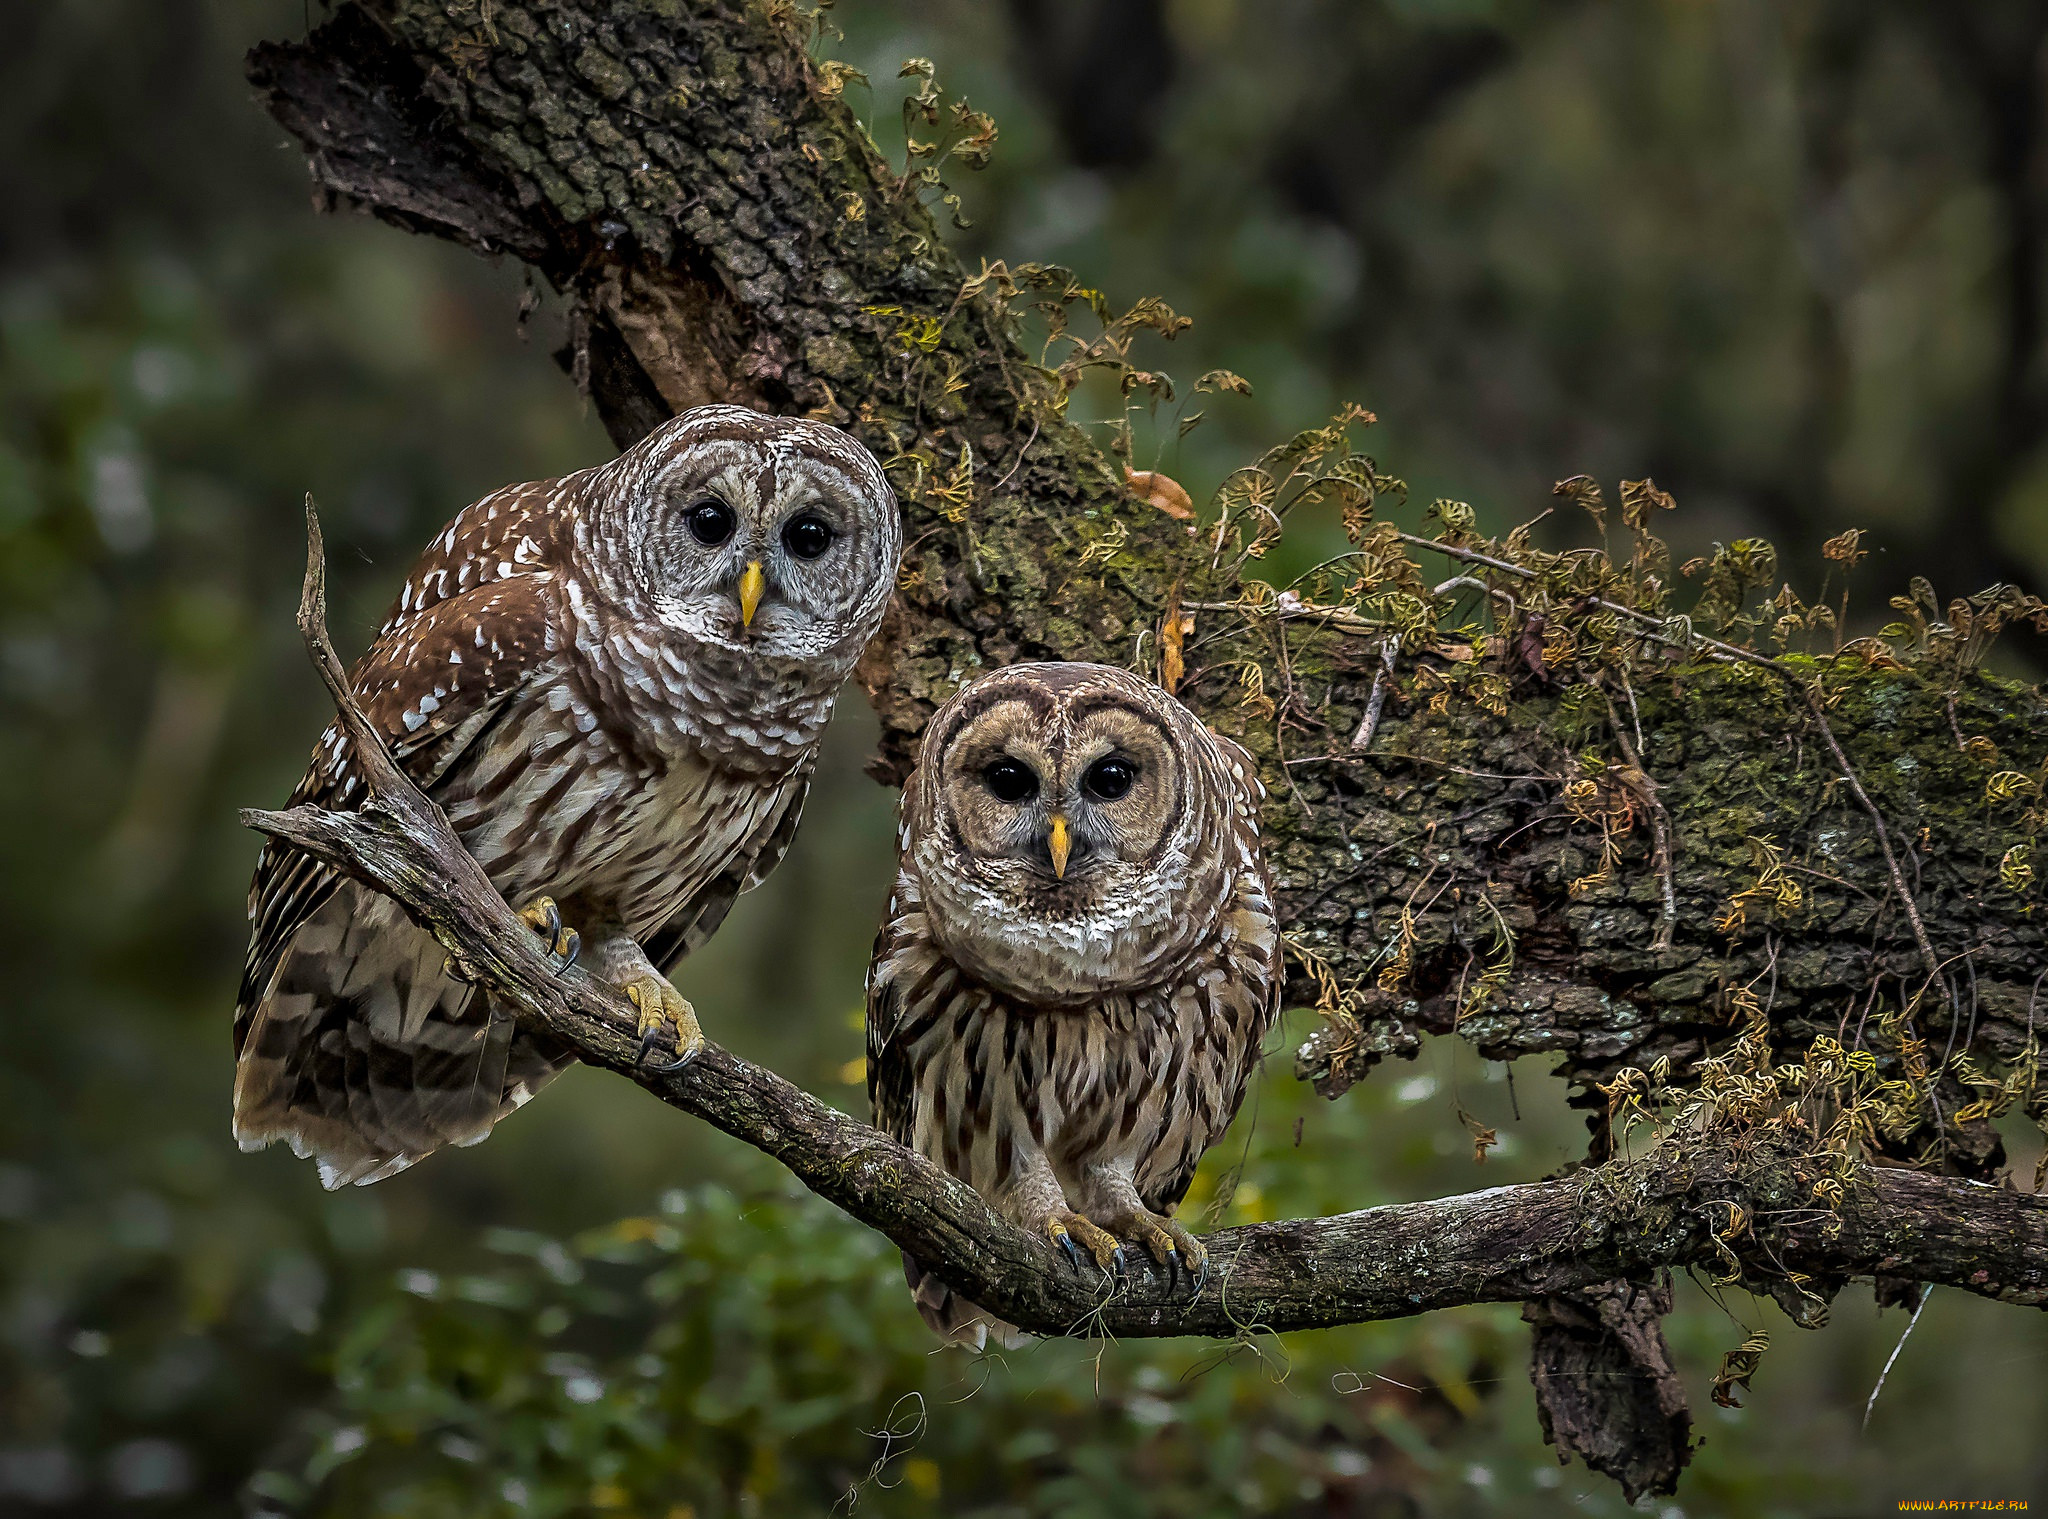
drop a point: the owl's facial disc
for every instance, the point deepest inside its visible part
(1057, 848)
(1056, 809)
(780, 545)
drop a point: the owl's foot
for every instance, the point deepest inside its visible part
(1173, 1248)
(1168, 1243)
(1084, 1239)
(561, 942)
(662, 1008)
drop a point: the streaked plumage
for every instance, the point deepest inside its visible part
(1071, 988)
(569, 673)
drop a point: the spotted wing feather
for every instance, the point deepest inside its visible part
(429, 686)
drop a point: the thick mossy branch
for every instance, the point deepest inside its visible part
(1464, 820)
(1670, 1207)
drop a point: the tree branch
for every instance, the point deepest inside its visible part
(1509, 1244)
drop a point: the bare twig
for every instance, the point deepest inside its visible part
(1884, 842)
(1645, 785)
(1022, 453)
(1367, 725)
(1889, 1361)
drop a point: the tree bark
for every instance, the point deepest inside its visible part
(1606, 1390)
(1568, 833)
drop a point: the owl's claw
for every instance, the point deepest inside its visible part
(649, 1038)
(562, 943)
(1170, 1244)
(1191, 1256)
(663, 1009)
(1197, 1270)
(1084, 1238)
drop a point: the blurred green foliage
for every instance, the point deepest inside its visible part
(1777, 255)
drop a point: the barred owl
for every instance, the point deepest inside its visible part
(614, 684)
(1079, 962)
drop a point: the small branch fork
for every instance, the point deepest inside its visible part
(1508, 1244)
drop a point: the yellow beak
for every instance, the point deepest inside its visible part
(1056, 840)
(752, 584)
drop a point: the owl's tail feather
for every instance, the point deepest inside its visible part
(365, 1056)
(952, 1318)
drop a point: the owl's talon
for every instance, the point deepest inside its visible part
(1193, 1258)
(663, 1009)
(670, 1067)
(1082, 1237)
(1176, 1251)
(650, 1036)
(561, 943)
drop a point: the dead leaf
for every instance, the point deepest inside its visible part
(1737, 1367)
(1162, 491)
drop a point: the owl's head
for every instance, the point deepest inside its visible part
(769, 537)
(1070, 828)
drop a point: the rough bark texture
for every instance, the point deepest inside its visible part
(1606, 1390)
(725, 229)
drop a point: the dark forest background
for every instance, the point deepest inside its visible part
(1786, 256)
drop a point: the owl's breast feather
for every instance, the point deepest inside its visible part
(1128, 938)
(548, 802)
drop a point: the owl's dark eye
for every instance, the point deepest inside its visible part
(1109, 778)
(710, 522)
(807, 536)
(1010, 781)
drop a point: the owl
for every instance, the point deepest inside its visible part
(614, 684)
(1078, 964)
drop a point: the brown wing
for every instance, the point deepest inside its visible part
(432, 682)
(890, 1079)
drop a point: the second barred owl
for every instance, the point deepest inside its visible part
(614, 684)
(1079, 963)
